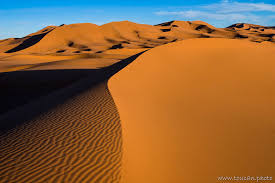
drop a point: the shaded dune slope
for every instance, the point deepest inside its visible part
(22, 87)
(16, 44)
(27, 43)
(72, 135)
(197, 109)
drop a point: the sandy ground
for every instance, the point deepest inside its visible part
(16, 62)
(197, 109)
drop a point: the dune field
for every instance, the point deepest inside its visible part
(181, 101)
(91, 38)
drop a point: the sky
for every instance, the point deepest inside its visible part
(19, 18)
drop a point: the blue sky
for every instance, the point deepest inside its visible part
(19, 18)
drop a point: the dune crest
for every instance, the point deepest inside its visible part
(71, 135)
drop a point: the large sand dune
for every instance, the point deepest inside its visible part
(197, 109)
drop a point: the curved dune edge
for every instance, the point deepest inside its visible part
(197, 109)
(71, 135)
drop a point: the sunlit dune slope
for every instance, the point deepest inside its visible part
(72, 36)
(197, 109)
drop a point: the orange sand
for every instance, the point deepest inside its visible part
(197, 109)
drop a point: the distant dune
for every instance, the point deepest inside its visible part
(181, 101)
(197, 109)
(91, 38)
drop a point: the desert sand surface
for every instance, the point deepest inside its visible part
(188, 102)
(78, 141)
(197, 109)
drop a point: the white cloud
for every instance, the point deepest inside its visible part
(191, 14)
(230, 7)
(227, 12)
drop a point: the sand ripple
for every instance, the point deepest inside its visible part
(78, 141)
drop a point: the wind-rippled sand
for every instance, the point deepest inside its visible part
(77, 141)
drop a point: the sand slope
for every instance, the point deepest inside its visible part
(197, 109)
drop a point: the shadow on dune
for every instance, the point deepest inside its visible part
(28, 43)
(20, 87)
(26, 94)
(71, 135)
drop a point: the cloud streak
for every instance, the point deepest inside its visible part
(197, 14)
(227, 12)
(234, 7)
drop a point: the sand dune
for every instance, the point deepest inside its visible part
(18, 44)
(197, 109)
